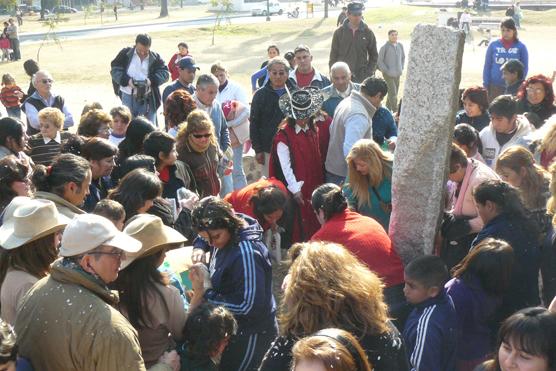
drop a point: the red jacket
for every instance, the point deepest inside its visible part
(367, 240)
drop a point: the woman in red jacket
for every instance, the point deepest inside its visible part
(295, 158)
(364, 237)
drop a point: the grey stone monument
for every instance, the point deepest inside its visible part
(426, 127)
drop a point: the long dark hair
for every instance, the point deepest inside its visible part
(11, 170)
(507, 201)
(135, 283)
(490, 262)
(330, 199)
(66, 168)
(136, 132)
(34, 257)
(268, 200)
(137, 187)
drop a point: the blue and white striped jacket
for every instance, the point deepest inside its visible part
(430, 335)
(241, 277)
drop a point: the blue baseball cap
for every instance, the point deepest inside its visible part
(188, 63)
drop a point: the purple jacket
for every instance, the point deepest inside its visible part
(475, 310)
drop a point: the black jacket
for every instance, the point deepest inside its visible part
(265, 117)
(158, 72)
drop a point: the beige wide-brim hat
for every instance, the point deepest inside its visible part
(153, 234)
(31, 220)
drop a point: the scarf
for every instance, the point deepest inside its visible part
(198, 148)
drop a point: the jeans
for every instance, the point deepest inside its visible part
(145, 108)
(226, 185)
(14, 112)
(333, 178)
(237, 172)
(15, 48)
(393, 84)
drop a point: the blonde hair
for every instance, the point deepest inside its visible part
(53, 116)
(331, 351)
(319, 295)
(197, 121)
(551, 205)
(533, 182)
(548, 142)
(379, 164)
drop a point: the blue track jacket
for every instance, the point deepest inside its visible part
(430, 335)
(241, 277)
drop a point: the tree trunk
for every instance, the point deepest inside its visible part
(43, 7)
(163, 8)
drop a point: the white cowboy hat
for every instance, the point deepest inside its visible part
(31, 220)
(86, 232)
(153, 234)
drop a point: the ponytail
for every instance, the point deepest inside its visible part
(66, 168)
(330, 199)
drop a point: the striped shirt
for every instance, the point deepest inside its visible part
(44, 150)
(8, 97)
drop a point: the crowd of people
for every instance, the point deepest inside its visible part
(90, 207)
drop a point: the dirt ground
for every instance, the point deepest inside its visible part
(81, 67)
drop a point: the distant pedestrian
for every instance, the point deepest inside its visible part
(342, 16)
(116, 12)
(354, 43)
(391, 61)
(13, 35)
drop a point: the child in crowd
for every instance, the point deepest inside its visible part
(9, 361)
(467, 138)
(121, 116)
(11, 95)
(5, 47)
(207, 331)
(512, 73)
(430, 332)
(47, 144)
(111, 210)
(476, 290)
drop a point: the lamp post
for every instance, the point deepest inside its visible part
(268, 10)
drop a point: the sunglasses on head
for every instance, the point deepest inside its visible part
(199, 136)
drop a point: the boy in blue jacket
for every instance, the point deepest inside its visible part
(431, 330)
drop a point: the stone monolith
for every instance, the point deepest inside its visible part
(426, 127)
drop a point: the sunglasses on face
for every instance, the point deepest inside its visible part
(199, 136)
(47, 81)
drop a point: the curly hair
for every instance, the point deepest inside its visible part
(319, 295)
(206, 327)
(53, 116)
(197, 121)
(178, 106)
(91, 122)
(533, 180)
(12, 170)
(548, 100)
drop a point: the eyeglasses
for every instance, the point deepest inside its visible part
(199, 136)
(47, 81)
(535, 91)
(117, 254)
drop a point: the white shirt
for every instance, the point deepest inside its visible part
(138, 70)
(57, 139)
(285, 164)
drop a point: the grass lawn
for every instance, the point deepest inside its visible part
(81, 68)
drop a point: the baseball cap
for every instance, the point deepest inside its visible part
(86, 232)
(188, 63)
(355, 8)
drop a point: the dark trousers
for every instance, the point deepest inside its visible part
(245, 352)
(15, 48)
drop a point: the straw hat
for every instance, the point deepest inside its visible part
(16, 202)
(152, 233)
(31, 220)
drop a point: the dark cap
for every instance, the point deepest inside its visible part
(355, 8)
(188, 63)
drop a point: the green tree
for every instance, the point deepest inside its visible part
(8, 4)
(223, 10)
